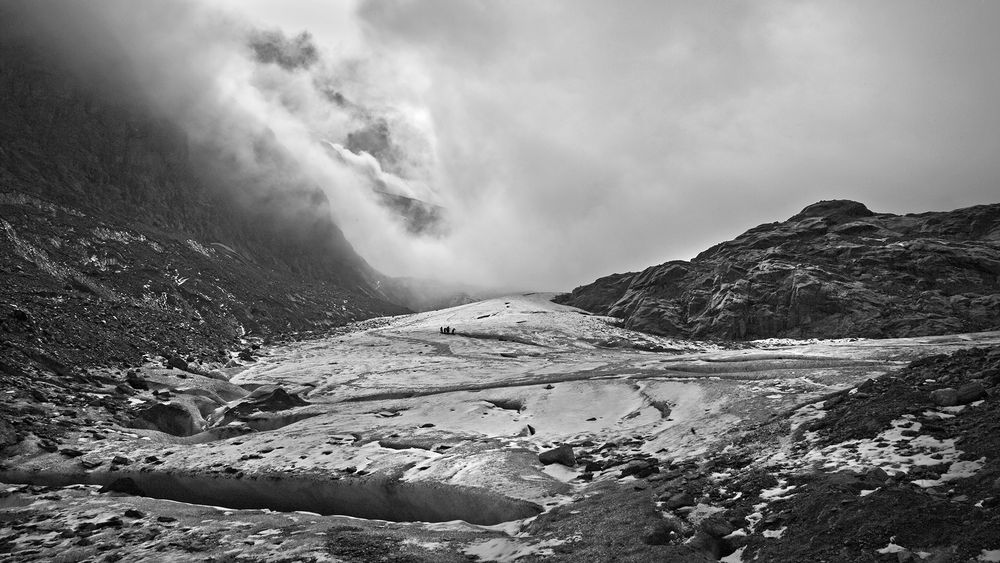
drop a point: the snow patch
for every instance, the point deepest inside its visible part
(560, 472)
(992, 555)
(428, 545)
(774, 533)
(503, 550)
(891, 548)
(734, 557)
(895, 450)
(777, 493)
(957, 470)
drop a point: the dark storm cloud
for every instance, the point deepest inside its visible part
(273, 46)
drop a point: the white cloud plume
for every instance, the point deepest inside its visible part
(571, 139)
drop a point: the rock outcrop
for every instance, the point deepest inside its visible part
(834, 270)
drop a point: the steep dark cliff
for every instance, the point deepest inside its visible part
(834, 270)
(118, 236)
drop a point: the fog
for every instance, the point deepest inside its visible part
(569, 140)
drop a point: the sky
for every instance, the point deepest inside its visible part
(574, 139)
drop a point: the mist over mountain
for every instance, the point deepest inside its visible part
(470, 143)
(126, 228)
(258, 109)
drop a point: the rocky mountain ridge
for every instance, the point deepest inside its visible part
(836, 269)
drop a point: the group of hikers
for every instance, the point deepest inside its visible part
(446, 330)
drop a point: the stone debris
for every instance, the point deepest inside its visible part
(562, 454)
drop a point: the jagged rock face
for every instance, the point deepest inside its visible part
(834, 270)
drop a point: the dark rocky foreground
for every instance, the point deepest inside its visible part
(852, 514)
(834, 270)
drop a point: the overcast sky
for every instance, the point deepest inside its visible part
(575, 139)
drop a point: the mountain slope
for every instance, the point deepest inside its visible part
(834, 270)
(119, 236)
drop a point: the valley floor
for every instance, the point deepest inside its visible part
(397, 441)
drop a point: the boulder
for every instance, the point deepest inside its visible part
(563, 454)
(638, 467)
(946, 397)
(657, 533)
(678, 500)
(707, 544)
(716, 527)
(176, 362)
(876, 475)
(136, 382)
(970, 392)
